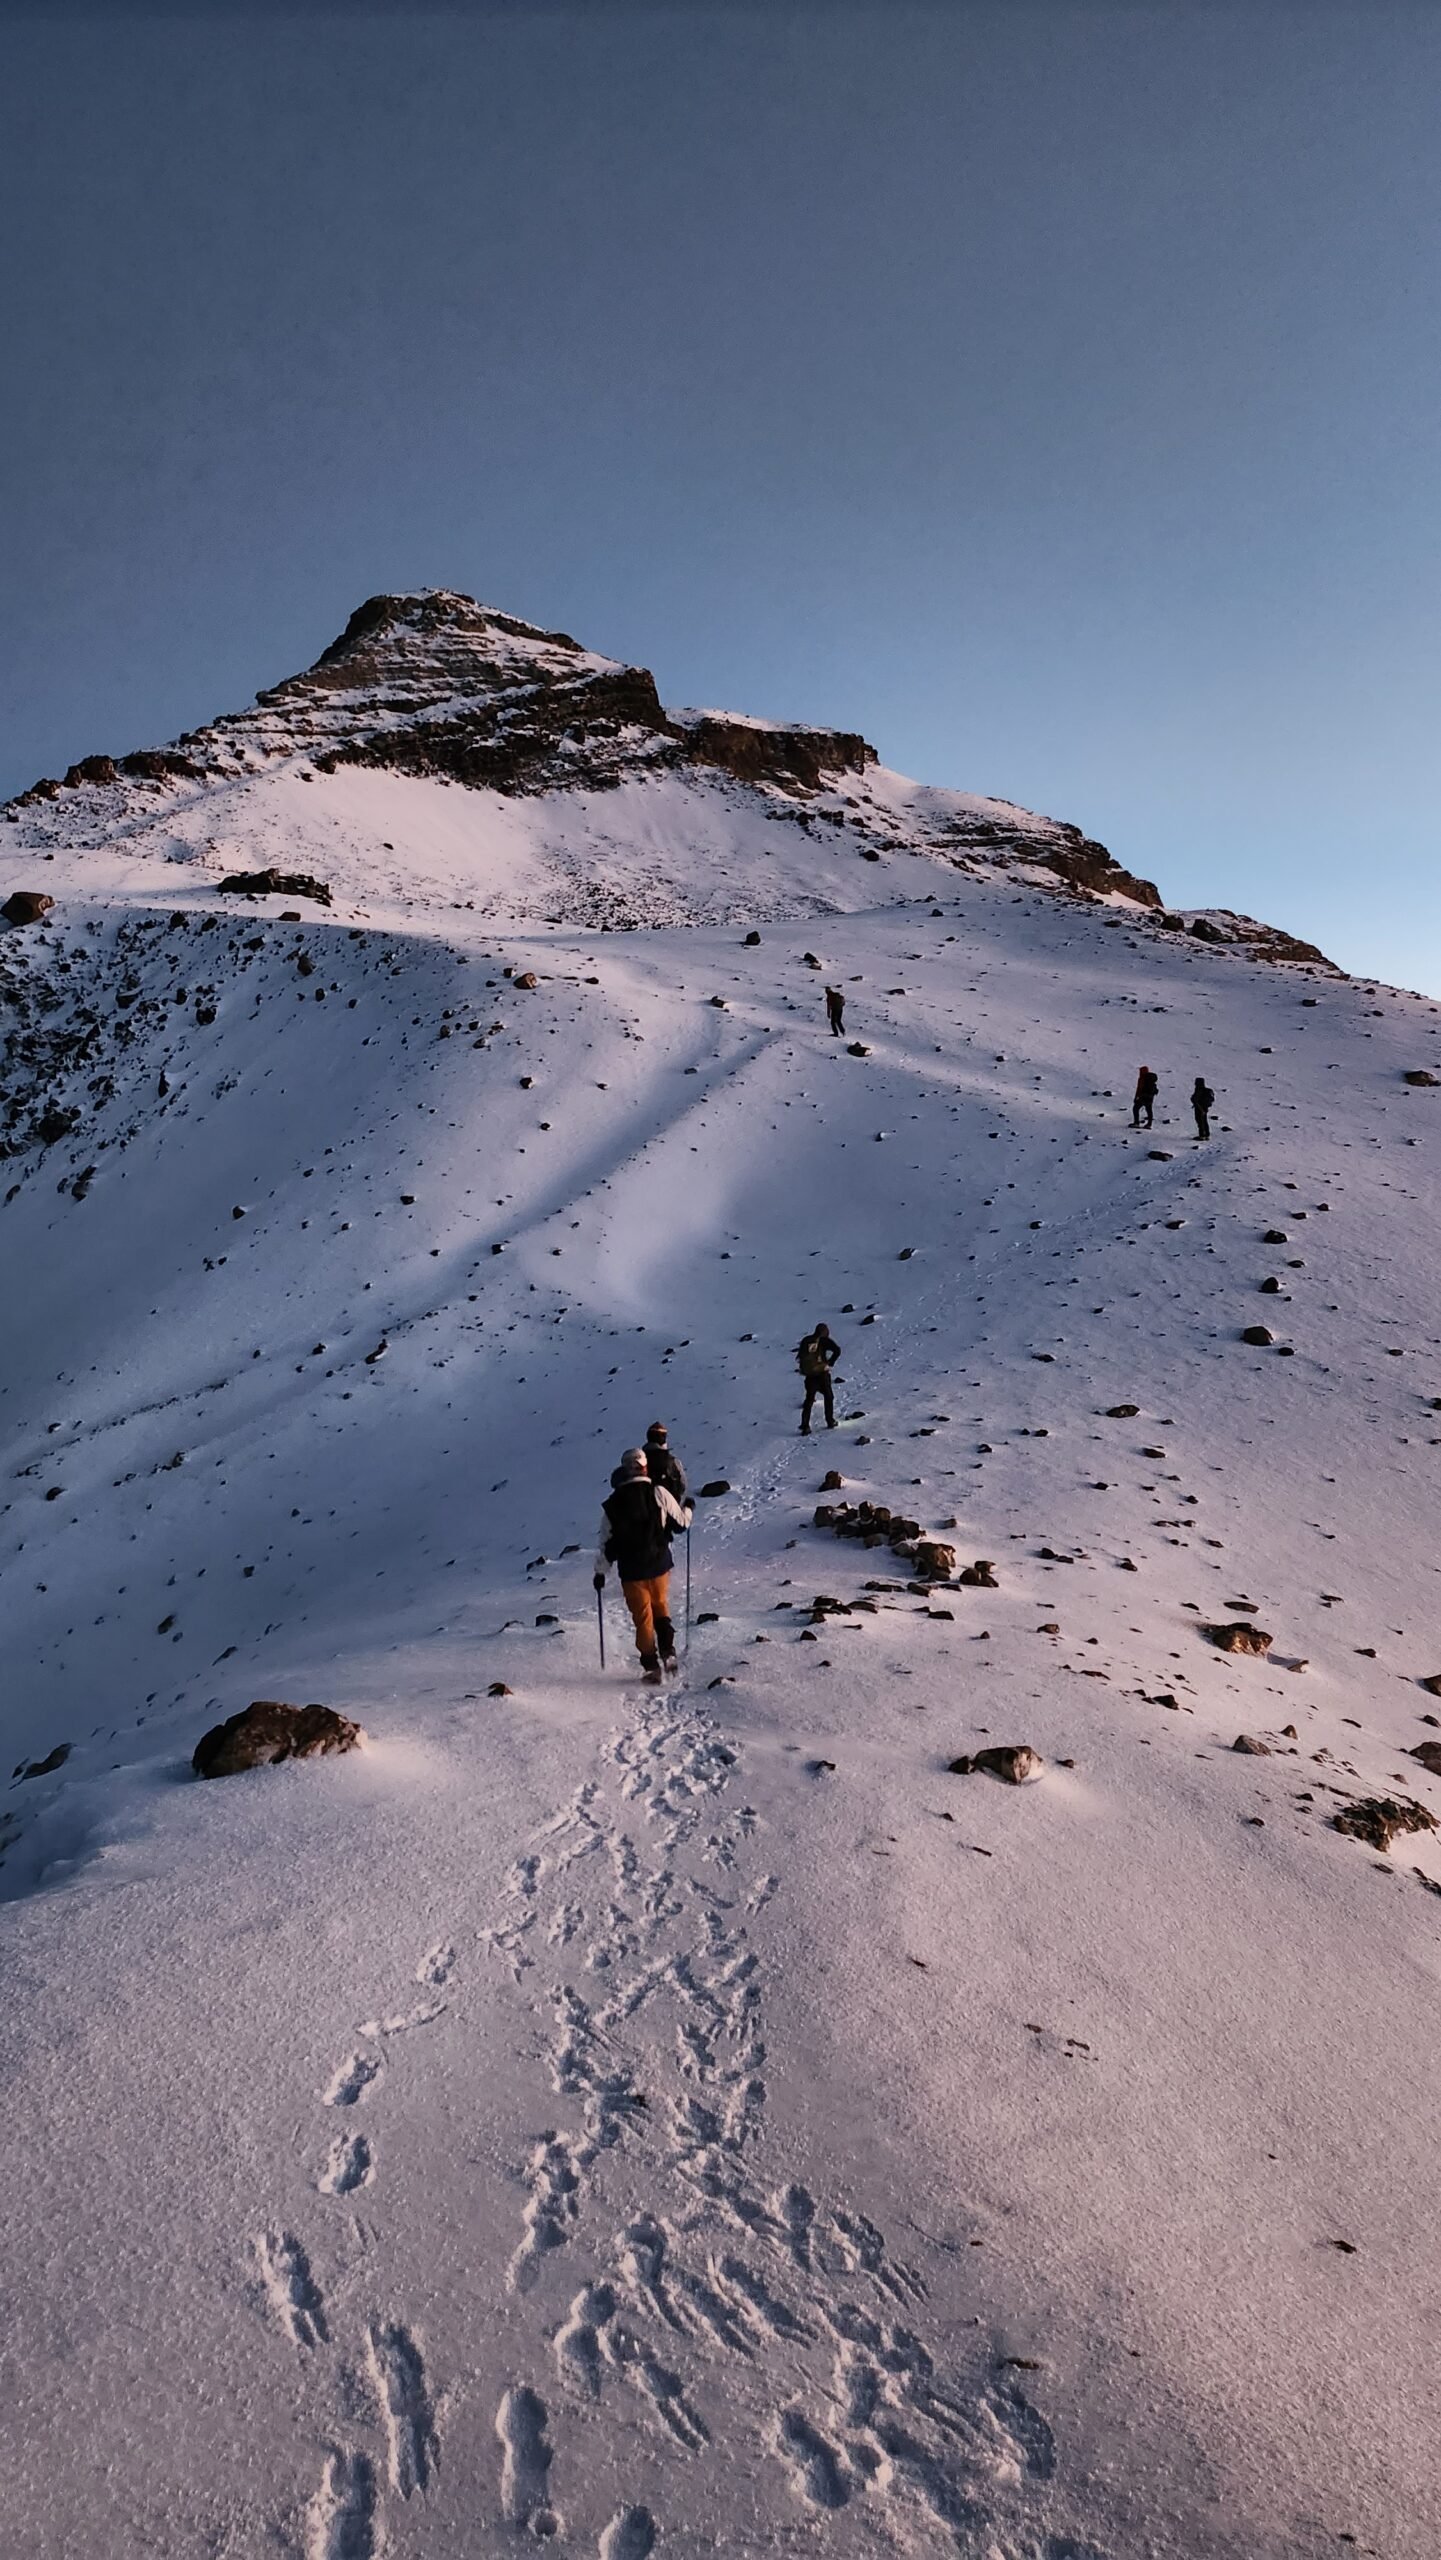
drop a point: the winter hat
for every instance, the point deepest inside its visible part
(634, 1463)
(657, 1431)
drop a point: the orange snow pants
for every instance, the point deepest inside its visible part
(649, 1605)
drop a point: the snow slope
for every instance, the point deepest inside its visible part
(701, 2122)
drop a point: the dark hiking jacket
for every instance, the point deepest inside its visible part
(636, 1525)
(665, 1467)
(816, 1355)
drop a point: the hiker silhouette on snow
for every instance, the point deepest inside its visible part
(836, 1010)
(637, 1521)
(665, 1467)
(1201, 1100)
(815, 1359)
(1148, 1085)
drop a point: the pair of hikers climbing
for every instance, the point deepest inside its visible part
(1148, 1085)
(647, 1504)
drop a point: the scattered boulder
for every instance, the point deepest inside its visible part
(1270, 1286)
(751, 939)
(525, 978)
(1239, 1636)
(267, 1731)
(1430, 1681)
(498, 1689)
(1250, 1742)
(1419, 1075)
(1429, 1755)
(1121, 1412)
(26, 906)
(933, 1559)
(857, 1049)
(276, 884)
(717, 1486)
(980, 1576)
(1015, 1762)
(1259, 1336)
(1378, 1819)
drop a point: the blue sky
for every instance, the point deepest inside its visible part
(1048, 389)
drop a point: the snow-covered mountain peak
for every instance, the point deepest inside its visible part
(455, 756)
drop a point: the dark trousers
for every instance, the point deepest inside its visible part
(821, 1387)
(1136, 1115)
(1203, 1120)
(837, 1024)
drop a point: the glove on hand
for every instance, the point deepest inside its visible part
(598, 1581)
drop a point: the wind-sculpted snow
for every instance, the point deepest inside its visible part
(706, 2118)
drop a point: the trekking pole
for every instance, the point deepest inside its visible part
(687, 1587)
(600, 1623)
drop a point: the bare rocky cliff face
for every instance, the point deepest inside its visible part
(436, 684)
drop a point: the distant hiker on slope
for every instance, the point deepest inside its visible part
(1148, 1085)
(636, 1523)
(836, 1010)
(665, 1467)
(815, 1359)
(1201, 1100)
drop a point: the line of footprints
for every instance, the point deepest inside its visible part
(634, 1899)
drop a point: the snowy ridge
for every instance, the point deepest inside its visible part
(699, 2121)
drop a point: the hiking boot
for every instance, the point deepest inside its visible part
(805, 1431)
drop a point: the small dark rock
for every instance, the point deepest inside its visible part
(276, 884)
(26, 906)
(717, 1485)
(1121, 1412)
(267, 1731)
(1259, 1336)
(1238, 1636)
(498, 1689)
(1429, 1755)
(1249, 1742)
(1015, 1762)
(55, 1759)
